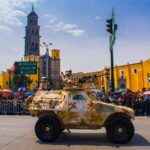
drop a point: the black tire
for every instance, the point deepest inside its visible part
(47, 128)
(120, 130)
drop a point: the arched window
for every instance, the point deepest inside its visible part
(36, 45)
(32, 45)
(37, 32)
(135, 71)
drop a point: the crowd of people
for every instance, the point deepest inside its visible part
(12, 103)
(139, 101)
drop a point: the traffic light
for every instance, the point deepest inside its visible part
(109, 25)
(111, 29)
(115, 27)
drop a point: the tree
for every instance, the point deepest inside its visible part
(20, 81)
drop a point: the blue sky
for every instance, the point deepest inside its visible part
(77, 27)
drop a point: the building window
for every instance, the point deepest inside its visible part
(135, 71)
(31, 21)
(32, 44)
(121, 73)
(148, 77)
(36, 45)
(37, 32)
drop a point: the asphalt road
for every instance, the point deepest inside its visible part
(17, 133)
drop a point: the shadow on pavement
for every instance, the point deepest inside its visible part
(97, 139)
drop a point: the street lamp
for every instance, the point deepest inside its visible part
(111, 29)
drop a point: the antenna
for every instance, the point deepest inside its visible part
(32, 7)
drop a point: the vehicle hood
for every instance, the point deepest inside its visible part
(108, 108)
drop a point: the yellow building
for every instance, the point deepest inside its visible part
(129, 76)
(134, 76)
(55, 54)
(5, 79)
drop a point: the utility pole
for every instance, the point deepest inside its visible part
(111, 29)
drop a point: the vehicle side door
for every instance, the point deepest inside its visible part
(77, 107)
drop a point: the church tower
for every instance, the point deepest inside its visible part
(32, 37)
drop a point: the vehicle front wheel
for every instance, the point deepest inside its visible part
(47, 129)
(120, 130)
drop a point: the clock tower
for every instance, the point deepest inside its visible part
(32, 37)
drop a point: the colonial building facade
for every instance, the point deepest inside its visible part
(135, 76)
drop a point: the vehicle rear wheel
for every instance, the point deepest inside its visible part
(47, 129)
(120, 130)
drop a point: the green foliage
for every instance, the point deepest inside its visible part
(20, 81)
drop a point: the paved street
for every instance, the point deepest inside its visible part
(16, 133)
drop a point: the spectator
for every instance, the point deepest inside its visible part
(129, 98)
(147, 105)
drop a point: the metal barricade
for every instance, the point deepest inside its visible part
(12, 107)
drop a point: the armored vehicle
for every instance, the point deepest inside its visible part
(79, 109)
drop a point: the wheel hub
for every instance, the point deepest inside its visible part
(120, 130)
(47, 129)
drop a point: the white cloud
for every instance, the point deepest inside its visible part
(76, 32)
(11, 11)
(52, 19)
(4, 28)
(97, 18)
(59, 26)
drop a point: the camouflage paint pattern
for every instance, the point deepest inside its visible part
(88, 113)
